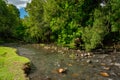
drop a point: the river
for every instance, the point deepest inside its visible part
(45, 65)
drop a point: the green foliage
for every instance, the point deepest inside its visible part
(60, 15)
(62, 21)
(9, 19)
(35, 27)
(93, 36)
(13, 16)
(3, 18)
(115, 15)
(68, 20)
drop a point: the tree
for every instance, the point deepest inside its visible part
(36, 28)
(3, 18)
(94, 35)
(9, 19)
(68, 20)
(113, 21)
(13, 19)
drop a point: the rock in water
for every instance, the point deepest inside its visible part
(62, 70)
(104, 74)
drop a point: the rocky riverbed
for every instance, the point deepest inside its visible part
(57, 63)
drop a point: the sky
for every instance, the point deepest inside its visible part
(20, 4)
(23, 13)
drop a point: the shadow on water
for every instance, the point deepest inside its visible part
(32, 68)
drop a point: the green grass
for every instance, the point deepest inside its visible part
(11, 64)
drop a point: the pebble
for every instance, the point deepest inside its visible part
(62, 70)
(110, 79)
(88, 54)
(96, 60)
(89, 61)
(69, 64)
(104, 74)
(117, 64)
(78, 51)
(47, 78)
(106, 68)
(103, 64)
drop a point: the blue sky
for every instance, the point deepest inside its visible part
(20, 4)
(22, 12)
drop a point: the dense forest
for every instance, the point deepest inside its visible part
(86, 24)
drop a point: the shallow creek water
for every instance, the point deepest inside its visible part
(45, 65)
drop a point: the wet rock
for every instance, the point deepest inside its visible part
(69, 64)
(104, 74)
(89, 61)
(79, 51)
(102, 64)
(57, 64)
(110, 79)
(46, 47)
(82, 55)
(117, 64)
(62, 70)
(96, 61)
(113, 73)
(88, 54)
(47, 78)
(85, 55)
(60, 51)
(106, 68)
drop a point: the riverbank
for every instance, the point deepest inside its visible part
(12, 66)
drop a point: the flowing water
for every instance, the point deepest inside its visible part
(45, 65)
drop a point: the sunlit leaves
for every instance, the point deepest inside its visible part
(68, 20)
(35, 26)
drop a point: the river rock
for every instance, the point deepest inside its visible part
(89, 61)
(104, 74)
(62, 70)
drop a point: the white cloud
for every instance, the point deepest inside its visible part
(19, 3)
